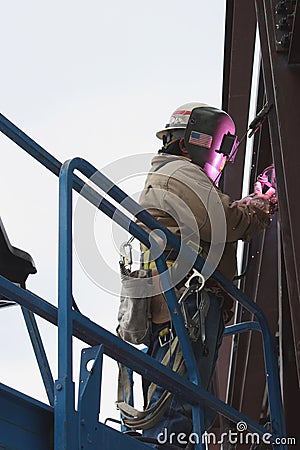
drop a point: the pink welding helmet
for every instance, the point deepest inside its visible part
(210, 140)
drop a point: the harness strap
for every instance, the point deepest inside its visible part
(211, 285)
(132, 417)
(148, 263)
(165, 362)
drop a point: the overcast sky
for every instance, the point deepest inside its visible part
(97, 80)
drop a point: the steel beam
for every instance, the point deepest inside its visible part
(267, 298)
(259, 282)
(294, 50)
(289, 379)
(237, 76)
(282, 85)
(239, 51)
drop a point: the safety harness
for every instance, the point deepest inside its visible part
(142, 420)
(193, 284)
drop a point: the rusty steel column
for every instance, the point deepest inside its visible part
(237, 76)
(282, 85)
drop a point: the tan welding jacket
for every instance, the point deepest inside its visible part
(181, 197)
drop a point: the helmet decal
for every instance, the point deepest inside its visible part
(201, 139)
(179, 118)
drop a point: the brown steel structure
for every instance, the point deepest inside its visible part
(272, 260)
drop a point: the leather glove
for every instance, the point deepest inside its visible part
(269, 196)
(266, 202)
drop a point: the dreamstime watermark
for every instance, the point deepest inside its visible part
(89, 248)
(233, 437)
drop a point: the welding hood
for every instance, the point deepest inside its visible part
(210, 140)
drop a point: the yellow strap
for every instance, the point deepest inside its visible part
(164, 332)
(146, 257)
(150, 264)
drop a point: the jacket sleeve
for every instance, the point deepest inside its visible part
(242, 221)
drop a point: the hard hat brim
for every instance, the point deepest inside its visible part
(160, 134)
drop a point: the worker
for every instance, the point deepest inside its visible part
(181, 192)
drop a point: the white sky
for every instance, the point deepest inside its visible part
(97, 80)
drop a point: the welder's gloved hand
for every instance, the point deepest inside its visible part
(269, 196)
(267, 201)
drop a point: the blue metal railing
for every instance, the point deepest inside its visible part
(134, 208)
(65, 284)
(40, 353)
(71, 322)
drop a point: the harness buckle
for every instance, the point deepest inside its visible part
(165, 336)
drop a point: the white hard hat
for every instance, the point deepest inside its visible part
(180, 118)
